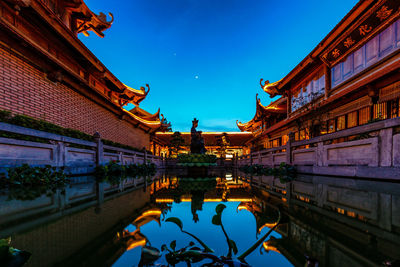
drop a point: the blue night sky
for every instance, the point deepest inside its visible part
(204, 58)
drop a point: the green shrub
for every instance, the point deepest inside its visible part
(284, 172)
(27, 183)
(5, 115)
(114, 173)
(197, 158)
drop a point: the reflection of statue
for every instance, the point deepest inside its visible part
(197, 204)
(197, 141)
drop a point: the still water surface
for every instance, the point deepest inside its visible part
(325, 220)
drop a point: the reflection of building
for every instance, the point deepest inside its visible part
(353, 222)
(50, 74)
(350, 79)
(78, 233)
(233, 142)
(215, 190)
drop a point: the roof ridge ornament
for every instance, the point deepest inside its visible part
(101, 16)
(265, 83)
(86, 20)
(270, 88)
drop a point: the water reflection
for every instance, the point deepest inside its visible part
(329, 221)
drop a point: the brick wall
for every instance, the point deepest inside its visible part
(25, 90)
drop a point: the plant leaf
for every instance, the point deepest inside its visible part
(173, 245)
(176, 221)
(233, 246)
(216, 219)
(220, 208)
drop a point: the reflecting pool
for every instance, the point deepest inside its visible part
(161, 220)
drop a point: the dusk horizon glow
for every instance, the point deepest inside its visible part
(204, 59)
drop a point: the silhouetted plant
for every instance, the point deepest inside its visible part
(179, 223)
(191, 254)
(217, 220)
(176, 142)
(10, 256)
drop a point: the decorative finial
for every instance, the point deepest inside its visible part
(265, 83)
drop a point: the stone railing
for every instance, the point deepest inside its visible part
(75, 155)
(376, 153)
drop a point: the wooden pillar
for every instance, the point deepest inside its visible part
(328, 80)
(236, 159)
(289, 103)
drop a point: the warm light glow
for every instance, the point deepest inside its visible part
(242, 207)
(151, 212)
(164, 200)
(170, 200)
(136, 91)
(351, 214)
(339, 210)
(305, 199)
(269, 248)
(136, 244)
(143, 120)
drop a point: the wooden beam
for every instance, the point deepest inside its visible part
(65, 32)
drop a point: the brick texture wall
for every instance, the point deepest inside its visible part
(25, 90)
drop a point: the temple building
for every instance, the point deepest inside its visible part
(218, 143)
(48, 73)
(351, 78)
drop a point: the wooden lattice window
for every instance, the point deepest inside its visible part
(341, 123)
(352, 119)
(364, 115)
(380, 111)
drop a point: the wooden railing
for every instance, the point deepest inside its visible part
(373, 153)
(75, 155)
